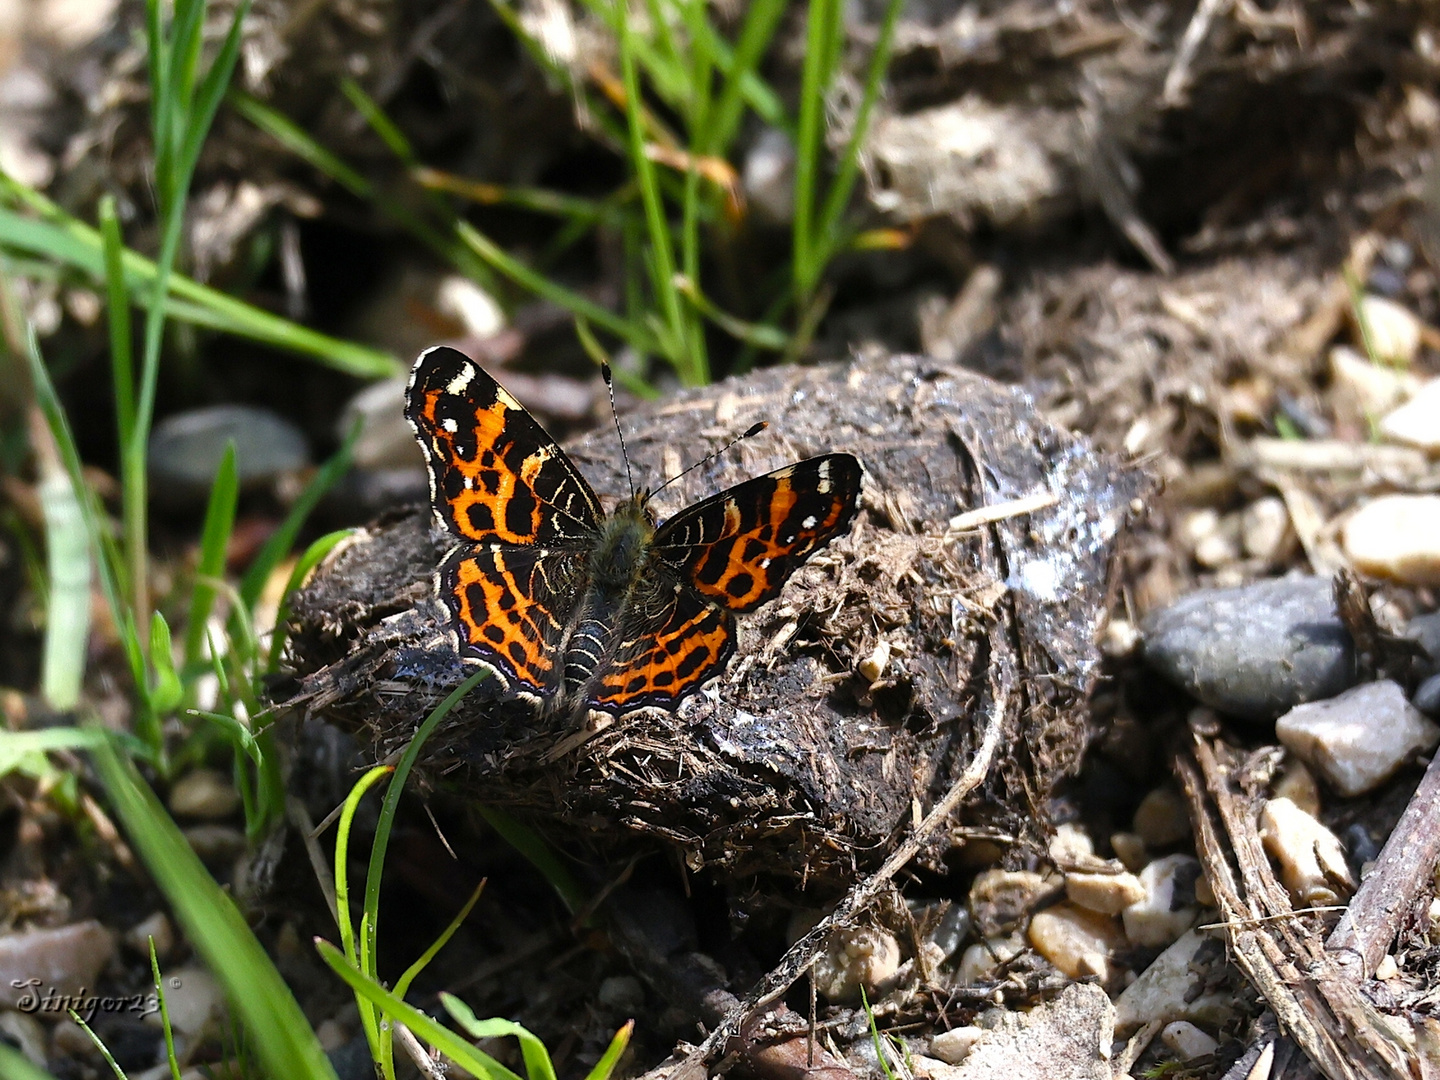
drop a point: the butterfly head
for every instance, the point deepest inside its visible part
(624, 545)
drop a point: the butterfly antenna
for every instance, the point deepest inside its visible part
(754, 429)
(609, 377)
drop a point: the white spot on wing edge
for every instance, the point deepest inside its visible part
(461, 382)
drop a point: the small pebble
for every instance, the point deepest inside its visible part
(1001, 899)
(1417, 422)
(386, 440)
(214, 843)
(979, 962)
(952, 1046)
(769, 176)
(1427, 696)
(1120, 638)
(1070, 845)
(469, 305)
(860, 957)
(1265, 532)
(1078, 942)
(1298, 784)
(186, 450)
(1369, 390)
(1425, 630)
(1168, 908)
(1172, 988)
(156, 927)
(1312, 861)
(1396, 537)
(204, 793)
(1387, 968)
(1129, 848)
(70, 1042)
(1357, 741)
(1186, 1041)
(1108, 894)
(622, 993)
(1162, 818)
(1066, 1038)
(1255, 650)
(1393, 330)
(62, 960)
(192, 997)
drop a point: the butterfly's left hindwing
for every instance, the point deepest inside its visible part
(496, 476)
(668, 649)
(737, 548)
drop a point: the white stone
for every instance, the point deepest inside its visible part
(1358, 740)
(1369, 389)
(1417, 422)
(1387, 968)
(1078, 942)
(1068, 1038)
(155, 928)
(1396, 537)
(1265, 528)
(1168, 908)
(1393, 330)
(952, 1046)
(386, 440)
(859, 957)
(1168, 989)
(192, 998)
(1298, 784)
(979, 962)
(1186, 1041)
(1071, 844)
(469, 305)
(1311, 858)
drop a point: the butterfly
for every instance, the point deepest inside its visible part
(577, 609)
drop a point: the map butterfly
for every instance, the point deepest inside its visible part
(577, 609)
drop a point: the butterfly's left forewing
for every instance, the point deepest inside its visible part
(496, 476)
(737, 548)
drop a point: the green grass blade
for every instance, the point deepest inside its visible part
(611, 1058)
(283, 539)
(538, 1065)
(815, 76)
(349, 940)
(538, 854)
(68, 569)
(118, 315)
(402, 984)
(283, 1040)
(79, 247)
(827, 230)
(16, 1066)
(214, 539)
(211, 92)
(742, 85)
(379, 123)
(453, 1046)
(167, 692)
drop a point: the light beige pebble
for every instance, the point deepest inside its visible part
(860, 957)
(1186, 1041)
(1129, 848)
(979, 962)
(1358, 740)
(1387, 968)
(469, 305)
(215, 843)
(1162, 818)
(1369, 389)
(1393, 330)
(1078, 942)
(1311, 858)
(205, 794)
(1265, 530)
(922, 1067)
(1396, 537)
(1108, 894)
(1168, 908)
(1001, 899)
(40, 964)
(1417, 422)
(1068, 1038)
(1221, 546)
(1120, 638)
(952, 1046)
(156, 927)
(1298, 784)
(1071, 844)
(1170, 988)
(192, 999)
(69, 1041)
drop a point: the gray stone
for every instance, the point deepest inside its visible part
(1425, 629)
(1255, 650)
(1427, 696)
(186, 450)
(1358, 740)
(39, 967)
